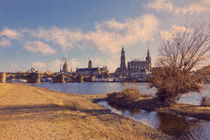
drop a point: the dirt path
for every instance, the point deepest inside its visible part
(33, 113)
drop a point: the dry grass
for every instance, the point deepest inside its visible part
(129, 97)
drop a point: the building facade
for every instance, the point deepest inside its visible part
(136, 69)
(92, 71)
(140, 69)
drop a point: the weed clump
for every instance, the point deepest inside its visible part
(126, 97)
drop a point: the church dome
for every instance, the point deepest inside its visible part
(66, 67)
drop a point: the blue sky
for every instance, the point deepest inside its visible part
(39, 33)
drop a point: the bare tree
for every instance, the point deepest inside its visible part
(178, 57)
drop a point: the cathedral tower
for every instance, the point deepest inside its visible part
(122, 62)
(148, 60)
(90, 64)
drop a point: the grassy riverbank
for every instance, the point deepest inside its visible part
(34, 113)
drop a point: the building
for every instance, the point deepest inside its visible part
(136, 69)
(122, 70)
(66, 67)
(92, 71)
(140, 69)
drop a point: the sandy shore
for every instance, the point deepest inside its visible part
(34, 113)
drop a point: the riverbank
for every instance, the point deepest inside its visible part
(201, 112)
(120, 99)
(35, 113)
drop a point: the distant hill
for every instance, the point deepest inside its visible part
(205, 74)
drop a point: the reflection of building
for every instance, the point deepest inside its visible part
(136, 69)
(93, 71)
(66, 67)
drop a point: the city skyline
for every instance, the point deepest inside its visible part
(40, 33)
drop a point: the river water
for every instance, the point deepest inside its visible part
(178, 126)
(103, 87)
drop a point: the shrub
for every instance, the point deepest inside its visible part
(73, 105)
(131, 94)
(126, 97)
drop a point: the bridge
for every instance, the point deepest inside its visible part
(35, 77)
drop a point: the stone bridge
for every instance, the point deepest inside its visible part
(31, 77)
(35, 77)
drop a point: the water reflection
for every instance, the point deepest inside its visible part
(177, 126)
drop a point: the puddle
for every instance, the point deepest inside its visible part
(178, 126)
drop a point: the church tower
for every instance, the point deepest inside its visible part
(122, 62)
(90, 64)
(148, 60)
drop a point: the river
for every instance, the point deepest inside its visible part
(103, 87)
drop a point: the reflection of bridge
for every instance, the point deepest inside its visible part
(36, 77)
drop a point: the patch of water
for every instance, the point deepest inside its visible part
(177, 126)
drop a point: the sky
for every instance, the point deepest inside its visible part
(39, 33)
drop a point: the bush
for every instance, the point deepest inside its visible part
(131, 94)
(126, 97)
(73, 105)
(171, 83)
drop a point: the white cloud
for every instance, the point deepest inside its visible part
(169, 34)
(107, 37)
(4, 42)
(74, 63)
(55, 65)
(38, 64)
(194, 8)
(6, 35)
(161, 5)
(206, 1)
(191, 8)
(38, 46)
(10, 33)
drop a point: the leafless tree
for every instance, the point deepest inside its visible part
(179, 55)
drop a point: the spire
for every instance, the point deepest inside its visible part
(148, 53)
(122, 63)
(148, 59)
(90, 64)
(66, 59)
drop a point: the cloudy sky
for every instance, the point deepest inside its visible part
(40, 33)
